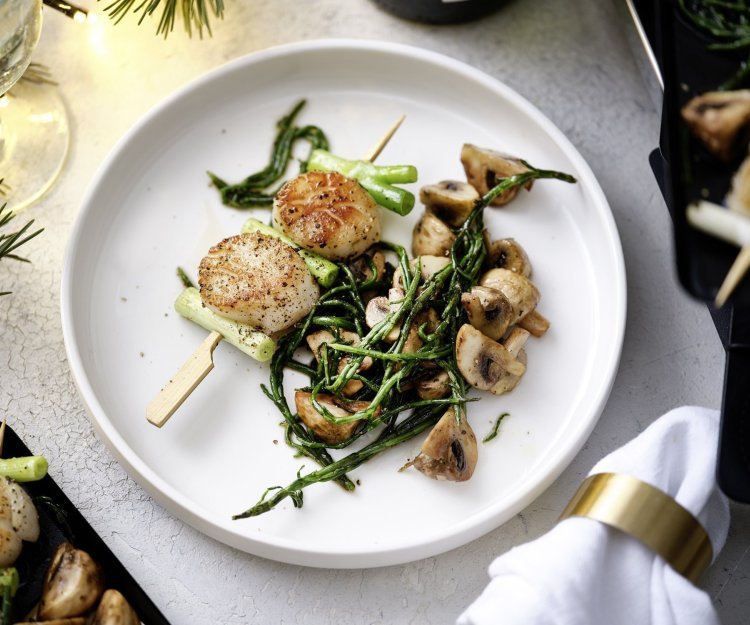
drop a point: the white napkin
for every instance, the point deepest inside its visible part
(584, 573)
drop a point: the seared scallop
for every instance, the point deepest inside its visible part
(259, 280)
(10, 541)
(327, 213)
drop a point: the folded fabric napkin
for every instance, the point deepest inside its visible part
(583, 572)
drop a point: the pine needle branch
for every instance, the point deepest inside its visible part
(195, 13)
(9, 243)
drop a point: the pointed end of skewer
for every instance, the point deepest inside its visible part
(734, 276)
(378, 148)
(721, 298)
(184, 382)
(2, 437)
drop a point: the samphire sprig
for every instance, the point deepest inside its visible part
(728, 21)
(390, 407)
(254, 191)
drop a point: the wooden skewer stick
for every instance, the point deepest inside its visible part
(734, 276)
(200, 363)
(184, 382)
(383, 141)
(2, 437)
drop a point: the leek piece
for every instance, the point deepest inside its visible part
(378, 180)
(24, 469)
(244, 337)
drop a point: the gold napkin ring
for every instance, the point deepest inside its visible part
(647, 514)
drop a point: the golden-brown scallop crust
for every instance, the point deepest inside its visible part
(257, 279)
(327, 213)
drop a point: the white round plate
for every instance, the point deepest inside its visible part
(150, 209)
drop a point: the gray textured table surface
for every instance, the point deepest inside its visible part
(574, 61)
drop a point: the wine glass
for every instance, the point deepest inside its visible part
(33, 120)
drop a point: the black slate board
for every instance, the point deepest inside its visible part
(685, 171)
(60, 522)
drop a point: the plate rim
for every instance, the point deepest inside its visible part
(272, 547)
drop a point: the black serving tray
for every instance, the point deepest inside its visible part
(60, 522)
(686, 172)
(689, 68)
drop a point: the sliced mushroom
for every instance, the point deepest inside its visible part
(432, 236)
(396, 297)
(326, 431)
(721, 120)
(506, 254)
(519, 290)
(451, 200)
(514, 345)
(488, 310)
(413, 342)
(315, 342)
(10, 541)
(435, 387)
(429, 319)
(515, 341)
(428, 266)
(486, 168)
(114, 609)
(450, 450)
(378, 308)
(72, 585)
(534, 323)
(362, 266)
(486, 364)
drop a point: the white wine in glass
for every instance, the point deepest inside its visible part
(33, 120)
(20, 25)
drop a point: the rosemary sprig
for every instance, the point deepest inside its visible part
(195, 13)
(9, 243)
